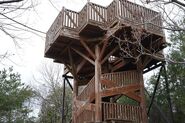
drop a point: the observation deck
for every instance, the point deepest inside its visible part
(76, 33)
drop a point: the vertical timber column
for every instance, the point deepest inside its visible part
(98, 112)
(75, 94)
(142, 94)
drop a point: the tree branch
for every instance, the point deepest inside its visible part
(10, 1)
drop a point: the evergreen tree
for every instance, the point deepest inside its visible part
(176, 80)
(13, 98)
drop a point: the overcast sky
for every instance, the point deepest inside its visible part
(27, 59)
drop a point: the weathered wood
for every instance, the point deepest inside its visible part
(88, 93)
(82, 63)
(120, 112)
(103, 48)
(84, 56)
(119, 65)
(120, 90)
(98, 111)
(87, 48)
(134, 96)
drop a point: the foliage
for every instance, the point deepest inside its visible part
(13, 97)
(51, 108)
(176, 79)
(51, 96)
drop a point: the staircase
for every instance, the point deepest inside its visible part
(112, 84)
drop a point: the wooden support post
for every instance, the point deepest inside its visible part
(98, 113)
(142, 94)
(75, 94)
(63, 102)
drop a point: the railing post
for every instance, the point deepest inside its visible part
(117, 8)
(88, 5)
(62, 16)
(98, 112)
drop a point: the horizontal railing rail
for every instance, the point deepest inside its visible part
(140, 16)
(120, 79)
(112, 111)
(117, 79)
(54, 29)
(97, 13)
(66, 18)
(70, 19)
(88, 91)
(86, 116)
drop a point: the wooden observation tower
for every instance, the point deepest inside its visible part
(107, 50)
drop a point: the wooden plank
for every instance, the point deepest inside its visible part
(103, 48)
(73, 67)
(84, 56)
(108, 83)
(133, 95)
(120, 90)
(80, 66)
(119, 65)
(88, 49)
(87, 106)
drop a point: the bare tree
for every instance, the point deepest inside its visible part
(13, 22)
(50, 94)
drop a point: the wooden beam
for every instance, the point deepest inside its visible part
(142, 94)
(87, 106)
(65, 48)
(120, 90)
(109, 54)
(103, 48)
(118, 65)
(108, 83)
(133, 96)
(88, 49)
(82, 63)
(73, 67)
(98, 111)
(84, 56)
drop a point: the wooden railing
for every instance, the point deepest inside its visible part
(117, 79)
(88, 91)
(97, 13)
(139, 16)
(92, 13)
(114, 111)
(120, 79)
(128, 12)
(70, 19)
(111, 13)
(65, 19)
(83, 16)
(86, 115)
(54, 29)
